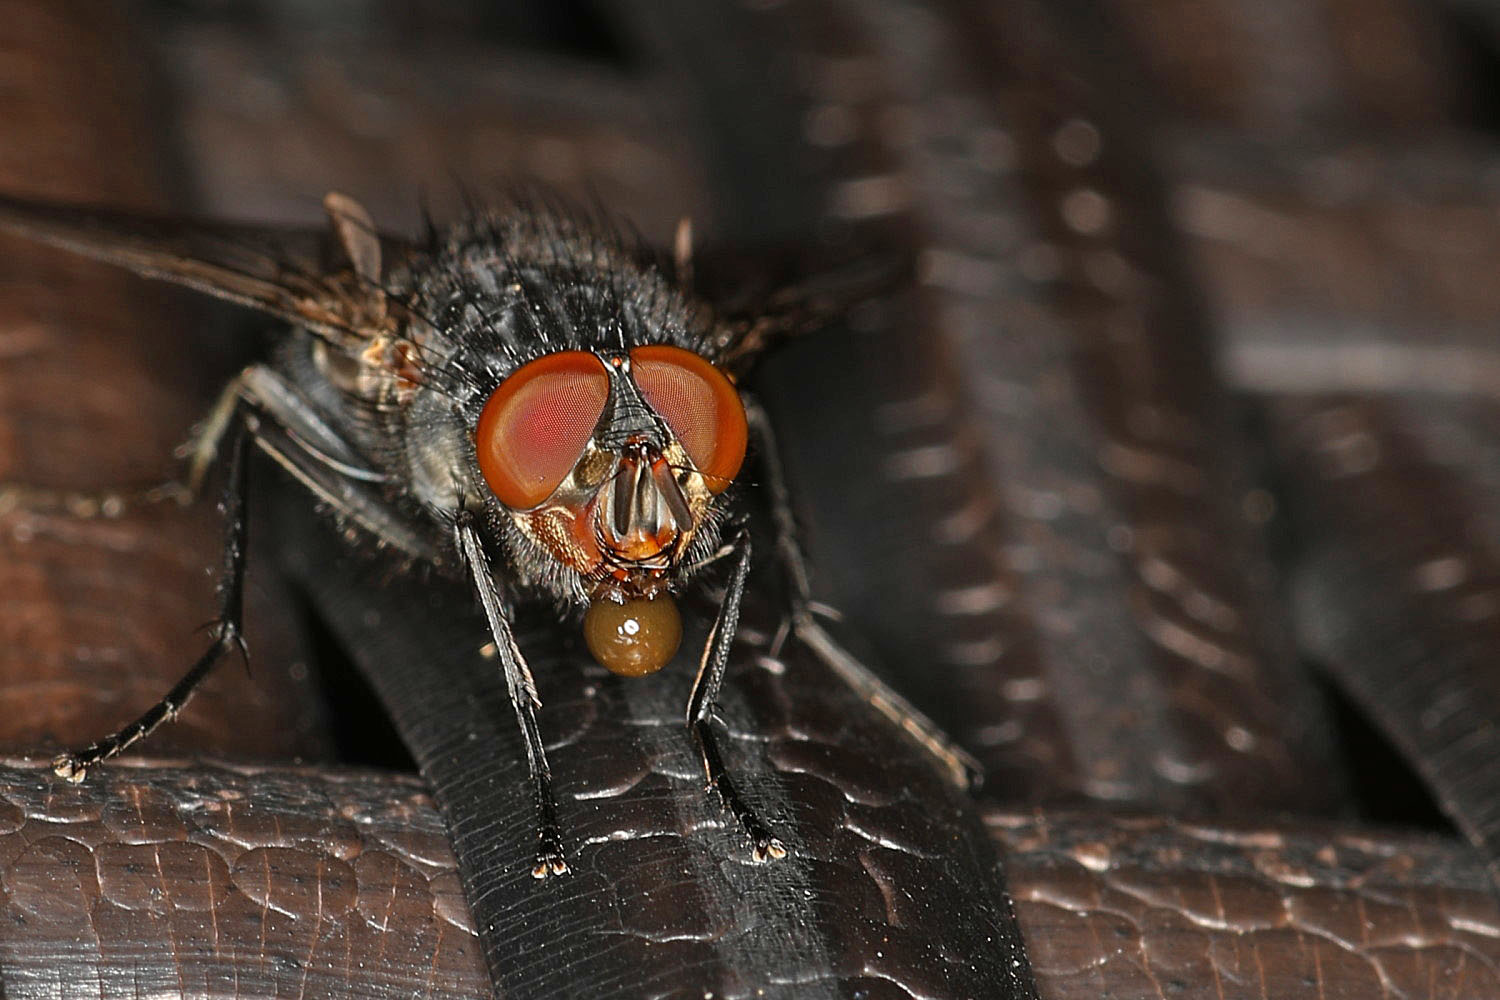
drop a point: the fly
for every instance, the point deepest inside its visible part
(521, 399)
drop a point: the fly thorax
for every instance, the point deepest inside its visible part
(382, 371)
(437, 452)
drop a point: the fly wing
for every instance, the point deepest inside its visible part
(281, 271)
(762, 297)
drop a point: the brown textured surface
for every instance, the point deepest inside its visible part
(889, 885)
(1348, 268)
(396, 125)
(329, 883)
(1149, 907)
(221, 881)
(1165, 591)
(1295, 68)
(1396, 583)
(96, 389)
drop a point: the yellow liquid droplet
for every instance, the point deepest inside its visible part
(633, 639)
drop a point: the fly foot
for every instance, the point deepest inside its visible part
(768, 847)
(549, 856)
(70, 767)
(764, 845)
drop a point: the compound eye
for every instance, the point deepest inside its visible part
(701, 406)
(535, 426)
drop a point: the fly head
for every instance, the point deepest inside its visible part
(597, 434)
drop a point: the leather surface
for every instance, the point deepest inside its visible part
(890, 888)
(219, 880)
(1395, 590)
(1151, 909)
(101, 377)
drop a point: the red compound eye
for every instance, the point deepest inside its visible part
(534, 427)
(699, 403)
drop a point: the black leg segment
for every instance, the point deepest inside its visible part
(523, 697)
(703, 708)
(227, 627)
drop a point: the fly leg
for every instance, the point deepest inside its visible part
(226, 629)
(258, 406)
(523, 697)
(703, 708)
(962, 769)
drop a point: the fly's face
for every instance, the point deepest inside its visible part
(611, 462)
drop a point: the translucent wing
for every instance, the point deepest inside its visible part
(291, 273)
(761, 297)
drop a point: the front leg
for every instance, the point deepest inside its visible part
(523, 697)
(703, 707)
